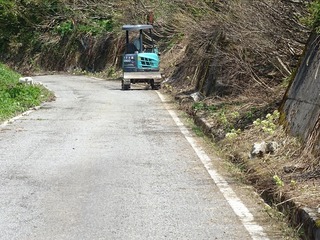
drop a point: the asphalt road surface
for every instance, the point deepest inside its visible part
(101, 163)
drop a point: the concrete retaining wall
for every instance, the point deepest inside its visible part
(302, 101)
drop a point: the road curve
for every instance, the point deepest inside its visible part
(101, 163)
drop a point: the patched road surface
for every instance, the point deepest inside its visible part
(101, 163)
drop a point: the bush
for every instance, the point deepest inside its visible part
(313, 20)
(16, 97)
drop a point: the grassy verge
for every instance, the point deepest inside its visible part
(16, 97)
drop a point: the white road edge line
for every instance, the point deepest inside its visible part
(5, 123)
(247, 219)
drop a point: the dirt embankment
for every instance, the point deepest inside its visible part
(239, 62)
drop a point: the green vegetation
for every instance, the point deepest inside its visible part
(52, 34)
(198, 131)
(313, 20)
(318, 223)
(202, 106)
(16, 97)
(278, 181)
(93, 27)
(222, 114)
(269, 125)
(233, 133)
(21, 20)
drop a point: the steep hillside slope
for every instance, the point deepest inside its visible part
(239, 63)
(242, 46)
(65, 35)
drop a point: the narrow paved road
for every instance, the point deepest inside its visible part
(100, 163)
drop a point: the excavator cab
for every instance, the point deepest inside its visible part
(141, 58)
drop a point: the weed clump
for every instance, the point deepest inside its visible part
(16, 97)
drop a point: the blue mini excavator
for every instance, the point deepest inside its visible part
(140, 60)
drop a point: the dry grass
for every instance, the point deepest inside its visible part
(241, 56)
(241, 46)
(299, 173)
